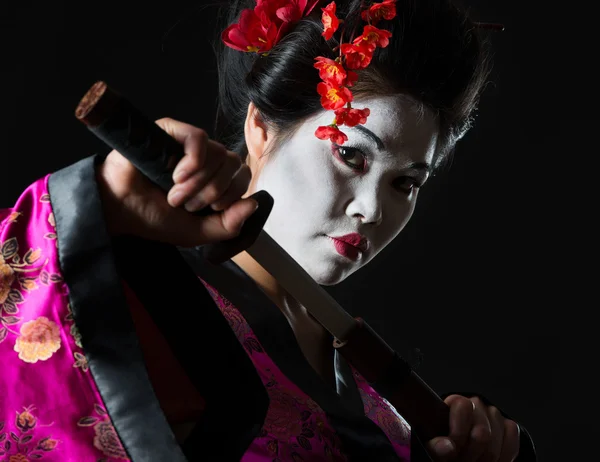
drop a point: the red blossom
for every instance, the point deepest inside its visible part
(351, 79)
(378, 11)
(375, 37)
(357, 56)
(333, 97)
(251, 34)
(285, 10)
(351, 117)
(330, 71)
(261, 28)
(332, 133)
(330, 21)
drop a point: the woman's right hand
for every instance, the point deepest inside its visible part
(208, 175)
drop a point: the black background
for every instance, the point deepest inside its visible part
(488, 279)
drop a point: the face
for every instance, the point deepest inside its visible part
(336, 207)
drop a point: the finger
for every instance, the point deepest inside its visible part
(237, 188)
(511, 441)
(492, 453)
(461, 419)
(193, 139)
(441, 449)
(220, 226)
(480, 434)
(216, 186)
(197, 148)
(178, 227)
(202, 158)
(201, 172)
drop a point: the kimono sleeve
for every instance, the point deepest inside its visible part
(74, 384)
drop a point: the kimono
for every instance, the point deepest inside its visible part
(106, 343)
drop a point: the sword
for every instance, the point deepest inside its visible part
(114, 120)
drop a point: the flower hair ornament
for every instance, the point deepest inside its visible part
(261, 28)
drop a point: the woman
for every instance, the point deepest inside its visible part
(114, 350)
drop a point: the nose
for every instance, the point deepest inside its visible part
(366, 207)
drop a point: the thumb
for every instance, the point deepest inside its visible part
(219, 226)
(442, 448)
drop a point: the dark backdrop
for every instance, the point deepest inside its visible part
(481, 282)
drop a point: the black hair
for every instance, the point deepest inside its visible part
(437, 56)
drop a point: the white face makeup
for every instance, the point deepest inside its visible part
(367, 186)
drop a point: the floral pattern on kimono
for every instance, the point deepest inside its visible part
(50, 408)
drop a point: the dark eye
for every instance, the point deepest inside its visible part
(352, 157)
(406, 184)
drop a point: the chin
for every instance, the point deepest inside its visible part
(331, 276)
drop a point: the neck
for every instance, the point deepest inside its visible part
(269, 285)
(315, 342)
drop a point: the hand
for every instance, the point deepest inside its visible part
(208, 174)
(478, 433)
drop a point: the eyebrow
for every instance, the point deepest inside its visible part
(419, 166)
(372, 136)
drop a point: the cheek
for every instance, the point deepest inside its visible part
(399, 217)
(301, 178)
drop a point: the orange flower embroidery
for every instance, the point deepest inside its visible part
(25, 421)
(47, 444)
(39, 340)
(18, 458)
(13, 270)
(7, 278)
(20, 444)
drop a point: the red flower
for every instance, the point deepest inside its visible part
(285, 10)
(251, 34)
(333, 97)
(261, 28)
(375, 37)
(330, 21)
(351, 117)
(357, 56)
(351, 79)
(331, 132)
(378, 11)
(330, 71)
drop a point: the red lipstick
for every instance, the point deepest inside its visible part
(350, 245)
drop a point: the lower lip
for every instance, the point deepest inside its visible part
(345, 249)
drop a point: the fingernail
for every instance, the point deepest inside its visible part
(194, 204)
(174, 197)
(255, 205)
(444, 447)
(179, 175)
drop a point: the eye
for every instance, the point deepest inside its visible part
(352, 157)
(407, 184)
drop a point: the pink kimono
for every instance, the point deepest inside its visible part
(81, 314)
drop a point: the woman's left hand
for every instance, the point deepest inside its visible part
(478, 433)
